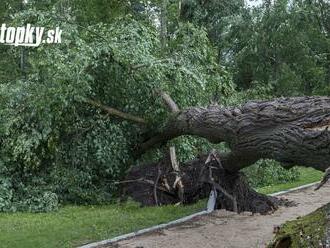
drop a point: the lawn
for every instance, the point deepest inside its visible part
(307, 175)
(73, 225)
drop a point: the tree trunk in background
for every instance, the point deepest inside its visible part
(163, 24)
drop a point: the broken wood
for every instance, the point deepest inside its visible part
(214, 157)
(173, 107)
(178, 180)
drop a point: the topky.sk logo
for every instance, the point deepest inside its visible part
(29, 36)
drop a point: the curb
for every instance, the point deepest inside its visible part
(143, 231)
(178, 221)
(295, 189)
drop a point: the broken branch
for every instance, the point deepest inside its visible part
(115, 112)
(178, 180)
(173, 107)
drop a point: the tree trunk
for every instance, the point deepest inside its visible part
(292, 131)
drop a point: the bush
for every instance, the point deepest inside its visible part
(6, 195)
(269, 172)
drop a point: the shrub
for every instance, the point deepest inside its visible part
(269, 172)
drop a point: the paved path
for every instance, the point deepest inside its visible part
(223, 229)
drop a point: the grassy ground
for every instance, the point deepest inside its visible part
(307, 175)
(72, 226)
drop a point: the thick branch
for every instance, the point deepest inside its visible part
(115, 112)
(173, 107)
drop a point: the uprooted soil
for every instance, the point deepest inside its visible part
(224, 229)
(152, 184)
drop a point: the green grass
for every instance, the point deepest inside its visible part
(307, 175)
(72, 226)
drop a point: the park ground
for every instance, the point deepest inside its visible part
(224, 229)
(76, 225)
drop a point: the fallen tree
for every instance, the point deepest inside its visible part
(292, 131)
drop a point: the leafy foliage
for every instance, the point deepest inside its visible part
(56, 148)
(285, 44)
(269, 172)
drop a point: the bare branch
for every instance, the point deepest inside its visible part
(213, 156)
(173, 107)
(178, 179)
(115, 112)
(174, 161)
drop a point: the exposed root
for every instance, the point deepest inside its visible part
(197, 179)
(155, 185)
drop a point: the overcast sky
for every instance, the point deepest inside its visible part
(253, 3)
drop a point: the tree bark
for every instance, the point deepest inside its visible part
(293, 131)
